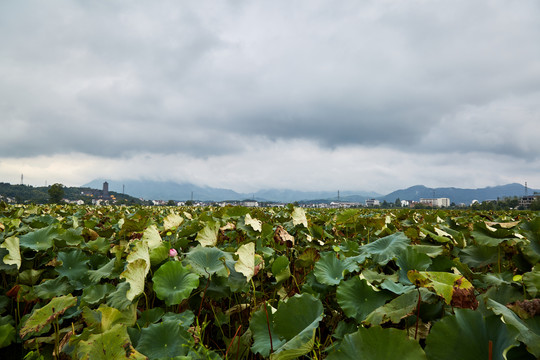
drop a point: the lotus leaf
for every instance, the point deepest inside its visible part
(96, 293)
(292, 326)
(7, 331)
(30, 276)
(139, 250)
(105, 271)
(11, 244)
(280, 268)
(39, 240)
(299, 217)
(74, 266)
(151, 237)
(479, 256)
(172, 221)
(358, 299)
(112, 344)
(411, 259)
(166, 339)
(488, 236)
(53, 288)
(118, 299)
(254, 223)
(442, 282)
(466, 335)
(531, 280)
(246, 260)
(330, 270)
(174, 283)
(377, 343)
(206, 261)
(45, 315)
(208, 235)
(387, 248)
(526, 334)
(398, 308)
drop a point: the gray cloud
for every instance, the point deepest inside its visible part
(208, 79)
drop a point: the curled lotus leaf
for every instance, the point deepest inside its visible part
(443, 283)
(47, 314)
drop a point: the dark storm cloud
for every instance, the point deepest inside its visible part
(117, 78)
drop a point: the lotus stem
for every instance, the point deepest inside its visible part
(268, 324)
(490, 357)
(232, 340)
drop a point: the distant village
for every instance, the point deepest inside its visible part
(104, 197)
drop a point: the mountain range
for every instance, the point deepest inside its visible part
(168, 190)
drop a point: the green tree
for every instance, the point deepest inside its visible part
(171, 203)
(398, 202)
(56, 193)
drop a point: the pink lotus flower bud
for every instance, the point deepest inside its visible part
(173, 252)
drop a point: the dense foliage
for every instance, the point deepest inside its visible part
(82, 282)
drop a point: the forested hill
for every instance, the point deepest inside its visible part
(39, 195)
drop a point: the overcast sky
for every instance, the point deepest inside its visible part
(310, 95)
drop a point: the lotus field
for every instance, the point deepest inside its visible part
(280, 283)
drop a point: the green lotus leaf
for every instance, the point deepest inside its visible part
(174, 283)
(47, 314)
(254, 223)
(39, 240)
(30, 276)
(430, 250)
(377, 343)
(96, 293)
(207, 261)
(400, 307)
(485, 235)
(411, 259)
(208, 235)
(7, 331)
(135, 275)
(184, 319)
(292, 327)
(53, 287)
(112, 344)
(118, 299)
(105, 271)
(111, 316)
(531, 280)
(71, 237)
(150, 316)
(299, 217)
(387, 248)
(166, 339)
(358, 299)
(11, 244)
(330, 270)
(479, 256)
(172, 221)
(246, 260)
(159, 253)
(442, 282)
(532, 231)
(280, 268)
(74, 266)
(530, 336)
(470, 334)
(259, 325)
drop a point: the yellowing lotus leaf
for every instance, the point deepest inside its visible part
(135, 275)
(172, 220)
(246, 260)
(299, 217)
(151, 237)
(14, 255)
(254, 223)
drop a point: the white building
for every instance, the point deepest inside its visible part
(436, 202)
(372, 202)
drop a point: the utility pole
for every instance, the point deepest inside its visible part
(22, 179)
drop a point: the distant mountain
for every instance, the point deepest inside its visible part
(168, 190)
(457, 195)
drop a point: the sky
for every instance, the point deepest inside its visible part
(372, 95)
